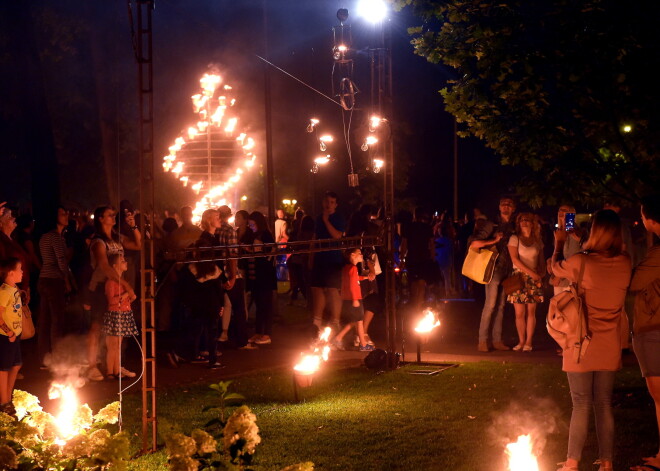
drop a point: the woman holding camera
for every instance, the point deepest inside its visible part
(603, 288)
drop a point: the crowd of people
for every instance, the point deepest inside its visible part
(94, 264)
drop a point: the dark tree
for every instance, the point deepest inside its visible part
(563, 89)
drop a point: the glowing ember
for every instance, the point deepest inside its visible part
(325, 335)
(68, 407)
(371, 140)
(521, 455)
(308, 365)
(428, 322)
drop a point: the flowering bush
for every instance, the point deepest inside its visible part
(30, 441)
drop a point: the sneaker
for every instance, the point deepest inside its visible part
(367, 348)
(368, 339)
(223, 336)
(216, 366)
(249, 346)
(94, 374)
(127, 373)
(263, 340)
(483, 347)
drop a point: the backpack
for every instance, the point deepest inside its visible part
(566, 322)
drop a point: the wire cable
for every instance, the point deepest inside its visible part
(298, 80)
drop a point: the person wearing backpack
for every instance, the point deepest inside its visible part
(646, 322)
(603, 287)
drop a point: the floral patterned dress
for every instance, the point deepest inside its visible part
(532, 291)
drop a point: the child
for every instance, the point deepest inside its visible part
(351, 295)
(118, 321)
(11, 326)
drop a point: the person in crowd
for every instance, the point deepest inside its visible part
(418, 251)
(202, 293)
(281, 227)
(325, 278)
(297, 221)
(10, 248)
(443, 241)
(352, 309)
(607, 270)
(495, 235)
(360, 224)
(526, 252)
(187, 234)
(234, 282)
(237, 329)
(298, 263)
(105, 243)
(572, 246)
(118, 320)
(53, 285)
(11, 326)
(646, 320)
(265, 283)
(24, 236)
(131, 240)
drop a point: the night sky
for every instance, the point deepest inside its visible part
(78, 58)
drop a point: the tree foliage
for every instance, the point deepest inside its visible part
(551, 86)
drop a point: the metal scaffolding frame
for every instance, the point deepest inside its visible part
(146, 204)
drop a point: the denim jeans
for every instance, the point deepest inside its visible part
(591, 389)
(495, 298)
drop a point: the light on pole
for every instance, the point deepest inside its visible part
(376, 11)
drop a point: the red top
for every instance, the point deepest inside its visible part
(113, 292)
(350, 283)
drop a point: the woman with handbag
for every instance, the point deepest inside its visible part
(605, 279)
(524, 288)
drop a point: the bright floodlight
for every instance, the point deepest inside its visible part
(372, 10)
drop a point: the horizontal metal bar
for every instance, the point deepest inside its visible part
(239, 252)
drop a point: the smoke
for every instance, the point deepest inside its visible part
(538, 417)
(68, 361)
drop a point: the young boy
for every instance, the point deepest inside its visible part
(352, 310)
(11, 326)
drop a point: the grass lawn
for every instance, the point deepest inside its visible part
(460, 419)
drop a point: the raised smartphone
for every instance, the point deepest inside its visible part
(569, 221)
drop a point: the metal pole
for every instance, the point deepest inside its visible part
(270, 172)
(455, 170)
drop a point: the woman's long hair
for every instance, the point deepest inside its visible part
(605, 237)
(536, 226)
(260, 221)
(98, 227)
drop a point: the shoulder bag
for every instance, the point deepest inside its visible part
(479, 264)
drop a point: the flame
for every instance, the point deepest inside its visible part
(322, 160)
(326, 138)
(325, 335)
(211, 112)
(68, 407)
(231, 125)
(371, 140)
(521, 455)
(309, 364)
(209, 82)
(428, 322)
